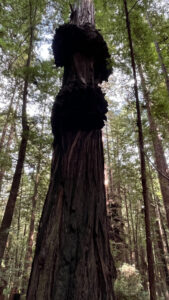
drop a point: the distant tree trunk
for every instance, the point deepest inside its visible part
(143, 268)
(163, 229)
(163, 262)
(150, 257)
(134, 234)
(114, 201)
(160, 250)
(29, 250)
(160, 159)
(163, 67)
(113, 209)
(128, 226)
(72, 258)
(8, 215)
(110, 194)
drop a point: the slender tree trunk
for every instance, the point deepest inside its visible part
(136, 241)
(72, 258)
(114, 207)
(109, 165)
(162, 257)
(160, 267)
(143, 268)
(29, 251)
(128, 226)
(8, 215)
(164, 233)
(163, 67)
(134, 234)
(30, 241)
(150, 257)
(160, 159)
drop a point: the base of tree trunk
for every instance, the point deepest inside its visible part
(72, 258)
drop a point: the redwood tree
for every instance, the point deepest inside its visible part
(150, 257)
(72, 258)
(9, 210)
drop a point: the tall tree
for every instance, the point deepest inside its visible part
(72, 258)
(160, 159)
(150, 257)
(8, 215)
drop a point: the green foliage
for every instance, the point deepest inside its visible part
(128, 284)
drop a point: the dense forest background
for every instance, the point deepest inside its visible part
(29, 84)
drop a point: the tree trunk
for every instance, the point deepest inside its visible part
(8, 215)
(128, 227)
(76, 265)
(72, 258)
(110, 177)
(150, 257)
(116, 232)
(160, 159)
(162, 257)
(134, 234)
(164, 232)
(143, 268)
(29, 251)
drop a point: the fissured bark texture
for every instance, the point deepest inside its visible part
(72, 258)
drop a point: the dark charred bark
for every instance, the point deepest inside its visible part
(150, 257)
(8, 215)
(72, 258)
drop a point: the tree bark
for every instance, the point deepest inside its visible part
(143, 268)
(150, 257)
(72, 258)
(160, 159)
